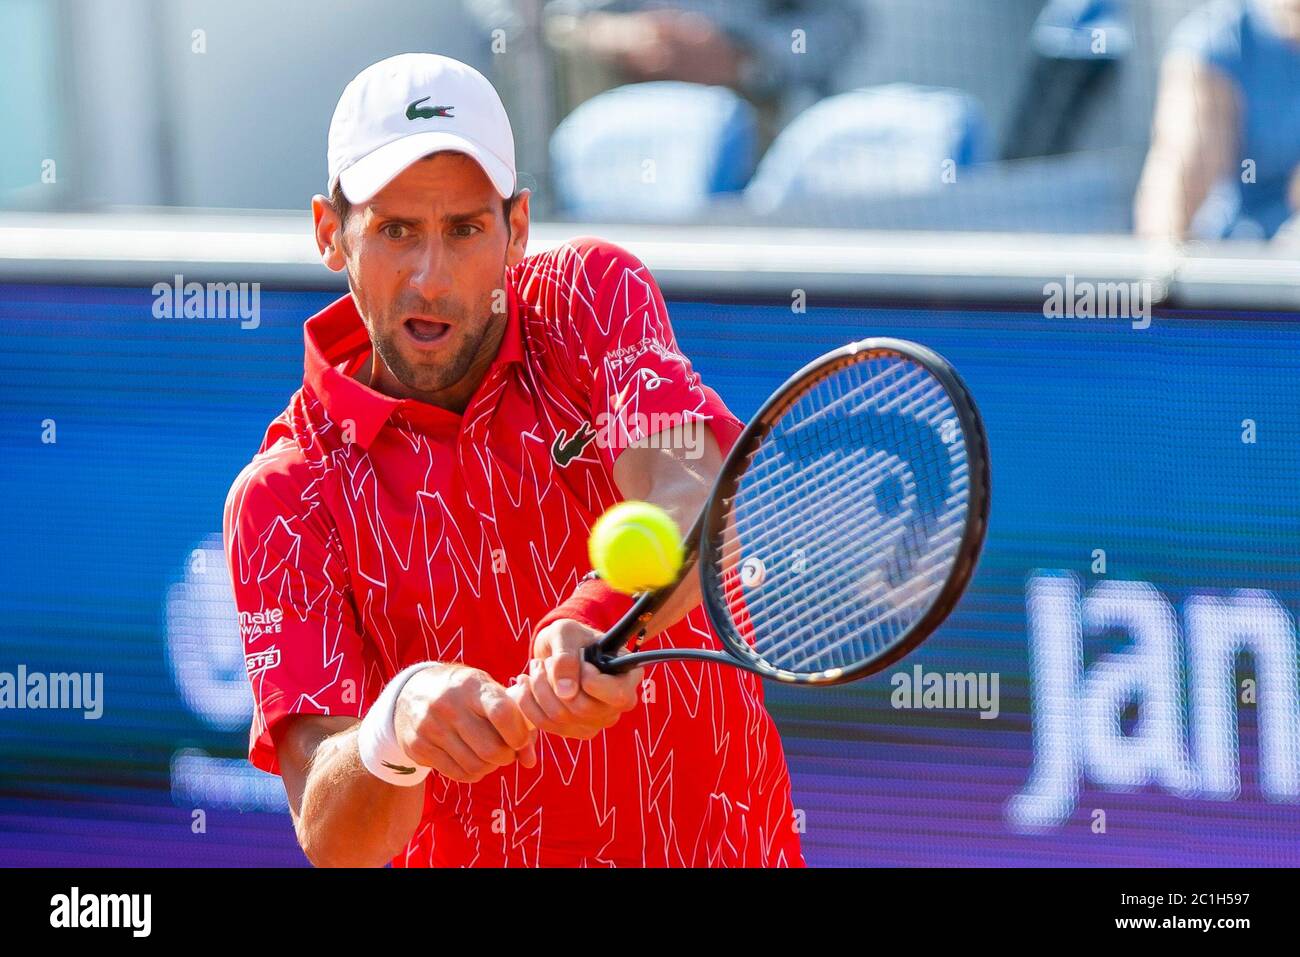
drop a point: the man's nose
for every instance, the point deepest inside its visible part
(431, 277)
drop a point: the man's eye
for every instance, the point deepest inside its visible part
(464, 230)
(394, 230)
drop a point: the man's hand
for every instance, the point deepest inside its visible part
(461, 723)
(568, 695)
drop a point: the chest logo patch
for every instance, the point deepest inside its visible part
(564, 449)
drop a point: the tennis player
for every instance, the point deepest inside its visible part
(409, 546)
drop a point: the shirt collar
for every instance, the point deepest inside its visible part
(336, 336)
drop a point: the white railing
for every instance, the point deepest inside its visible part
(760, 261)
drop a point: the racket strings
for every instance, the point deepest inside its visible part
(880, 537)
(888, 389)
(878, 617)
(883, 595)
(778, 482)
(846, 524)
(883, 611)
(883, 535)
(878, 606)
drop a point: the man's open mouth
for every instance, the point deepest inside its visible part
(426, 330)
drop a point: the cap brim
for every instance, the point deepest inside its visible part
(368, 175)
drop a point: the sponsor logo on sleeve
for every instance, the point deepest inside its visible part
(260, 661)
(257, 624)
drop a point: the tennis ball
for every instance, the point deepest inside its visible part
(635, 546)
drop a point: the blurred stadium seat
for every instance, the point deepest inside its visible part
(895, 140)
(652, 151)
(1077, 193)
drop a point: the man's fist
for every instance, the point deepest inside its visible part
(461, 723)
(568, 695)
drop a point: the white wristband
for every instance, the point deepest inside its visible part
(377, 740)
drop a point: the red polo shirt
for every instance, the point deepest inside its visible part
(370, 533)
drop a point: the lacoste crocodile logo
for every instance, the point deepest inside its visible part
(564, 449)
(417, 112)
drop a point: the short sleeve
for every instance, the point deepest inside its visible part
(640, 381)
(1212, 35)
(302, 649)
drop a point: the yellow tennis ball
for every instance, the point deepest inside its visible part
(635, 546)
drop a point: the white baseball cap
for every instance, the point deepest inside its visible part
(403, 108)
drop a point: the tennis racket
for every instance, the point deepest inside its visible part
(844, 526)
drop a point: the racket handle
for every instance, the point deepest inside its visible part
(631, 627)
(608, 662)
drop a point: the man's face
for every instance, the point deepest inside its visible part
(426, 260)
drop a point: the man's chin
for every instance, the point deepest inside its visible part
(426, 378)
(426, 371)
(424, 383)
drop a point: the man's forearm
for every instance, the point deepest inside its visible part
(350, 818)
(680, 485)
(682, 495)
(680, 603)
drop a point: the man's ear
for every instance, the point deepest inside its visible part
(519, 219)
(329, 233)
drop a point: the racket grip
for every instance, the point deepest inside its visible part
(597, 656)
(608, 662)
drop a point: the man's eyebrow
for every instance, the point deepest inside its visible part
(379, 212)
(472, 214)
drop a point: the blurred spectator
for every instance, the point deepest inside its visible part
(1225, 152)
(747, 45)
